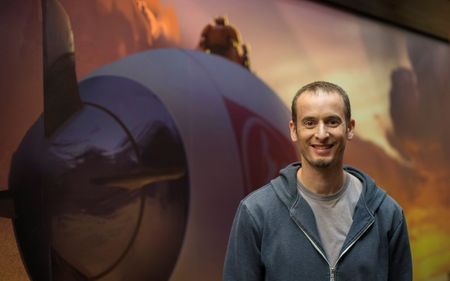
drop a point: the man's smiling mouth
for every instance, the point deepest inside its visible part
(322, 146)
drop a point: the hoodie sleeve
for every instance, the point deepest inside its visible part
(400, 264)
(243, 259)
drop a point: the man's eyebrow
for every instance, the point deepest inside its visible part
(333, 117)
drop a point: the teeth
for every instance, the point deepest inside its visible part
(322, 146)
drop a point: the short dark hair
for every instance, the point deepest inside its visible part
(326, 87)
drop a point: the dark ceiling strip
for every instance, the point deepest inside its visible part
(361, 9)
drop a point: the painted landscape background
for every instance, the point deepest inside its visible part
(398, 83)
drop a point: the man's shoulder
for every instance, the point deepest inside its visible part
(373, 190)
(260, 197)
(263, 205)
(263, 200)
(391, 208)
(276, 195)
(377, 198)
(389, 214)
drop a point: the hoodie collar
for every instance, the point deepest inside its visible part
(285, 187)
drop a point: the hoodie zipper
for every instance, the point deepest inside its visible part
(313, 243)
(333, 268)
(354, 241)
(332, 273)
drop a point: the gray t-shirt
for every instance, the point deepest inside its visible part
(334, 214)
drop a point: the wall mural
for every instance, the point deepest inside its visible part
(181, 110)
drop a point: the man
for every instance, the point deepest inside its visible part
(319, 220)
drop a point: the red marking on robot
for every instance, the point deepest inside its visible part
(263, 149)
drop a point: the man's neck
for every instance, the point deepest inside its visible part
(323, 181)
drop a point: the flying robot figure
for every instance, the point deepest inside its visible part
(223, 39)
(135, 172)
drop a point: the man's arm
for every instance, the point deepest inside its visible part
(400, 264)
(243, 258)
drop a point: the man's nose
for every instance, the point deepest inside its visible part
(322, 131)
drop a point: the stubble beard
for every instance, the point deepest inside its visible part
(320, 163)
(325, 163)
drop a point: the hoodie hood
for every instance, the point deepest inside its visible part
(285, 187)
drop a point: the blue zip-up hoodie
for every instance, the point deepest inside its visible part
(274, 237)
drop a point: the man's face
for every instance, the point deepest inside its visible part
(322, 131)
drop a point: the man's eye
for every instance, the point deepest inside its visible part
(333, 122)
(308, 123)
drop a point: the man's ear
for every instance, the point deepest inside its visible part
(293, 131)
(350, 129)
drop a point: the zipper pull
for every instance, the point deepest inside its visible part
(332, 273)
